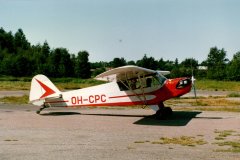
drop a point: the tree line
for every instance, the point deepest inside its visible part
(19, 58)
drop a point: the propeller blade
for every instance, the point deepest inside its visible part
(194, 90)
(193, 87)
(193, 82)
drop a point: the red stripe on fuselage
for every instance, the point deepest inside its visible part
(132, 95)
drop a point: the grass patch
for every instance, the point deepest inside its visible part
(142, 141)
(229, 143)
(157, 142)
(234, 146)
(211, 101)
(23, 83)
(183, 140)
(10, 140)
(214, 85)
(61, 83)
(234, 94)
(15, 100)
(139, 142)
(224, 133)
(11, 78)
(14, 85)
(130, 147)
(219, 138)
(200, 135)
(204, 104)
(234, 150)
(210, 108)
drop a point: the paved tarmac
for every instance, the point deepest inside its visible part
(65, 133)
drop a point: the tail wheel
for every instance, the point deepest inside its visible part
(42, 108)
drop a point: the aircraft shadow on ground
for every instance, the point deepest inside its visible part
(113, 115)
(179, 118)
(59, 113)
(87, 114)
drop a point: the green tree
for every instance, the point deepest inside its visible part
(60, 64)
(190, 63)
(216, 63)
(188, 67)
(175, 72)
(98, 71)
(166, 65)
(82, 65)
(41, 58)
(148, 62)
(18, 65)
(118, 62)
(233, 70)
(7, 65)
(20, 40)
(161, 64)
(6, 41)
(22, 66)
(65, 65)
(98, 67)
(131, 63)
(43, 65)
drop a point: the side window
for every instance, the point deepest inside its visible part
(129, 84)
(123, 86)
(133, 84)
(149, 82)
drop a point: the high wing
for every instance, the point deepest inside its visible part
(127, 72)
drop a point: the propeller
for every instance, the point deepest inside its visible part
(193, 83)
(193, 87)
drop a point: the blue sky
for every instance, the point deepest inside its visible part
(166, 29)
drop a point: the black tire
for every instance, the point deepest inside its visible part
(160, 114)
(168, 111)
(163, 113)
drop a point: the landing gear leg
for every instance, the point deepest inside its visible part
(163, 112)
(42, 108)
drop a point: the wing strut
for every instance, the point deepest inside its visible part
(141, 85)
(137, 95)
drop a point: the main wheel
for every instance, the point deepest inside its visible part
(163, 113)
(168, 111)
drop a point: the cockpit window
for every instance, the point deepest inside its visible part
(152, 80)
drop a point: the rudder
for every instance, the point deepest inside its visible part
(42, 88)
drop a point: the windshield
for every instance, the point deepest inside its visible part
(160, 78)
(155, 80)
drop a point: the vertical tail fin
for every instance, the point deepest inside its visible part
(42, 88)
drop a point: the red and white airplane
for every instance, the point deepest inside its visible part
(128, 85)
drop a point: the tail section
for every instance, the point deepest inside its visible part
(42, 88)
